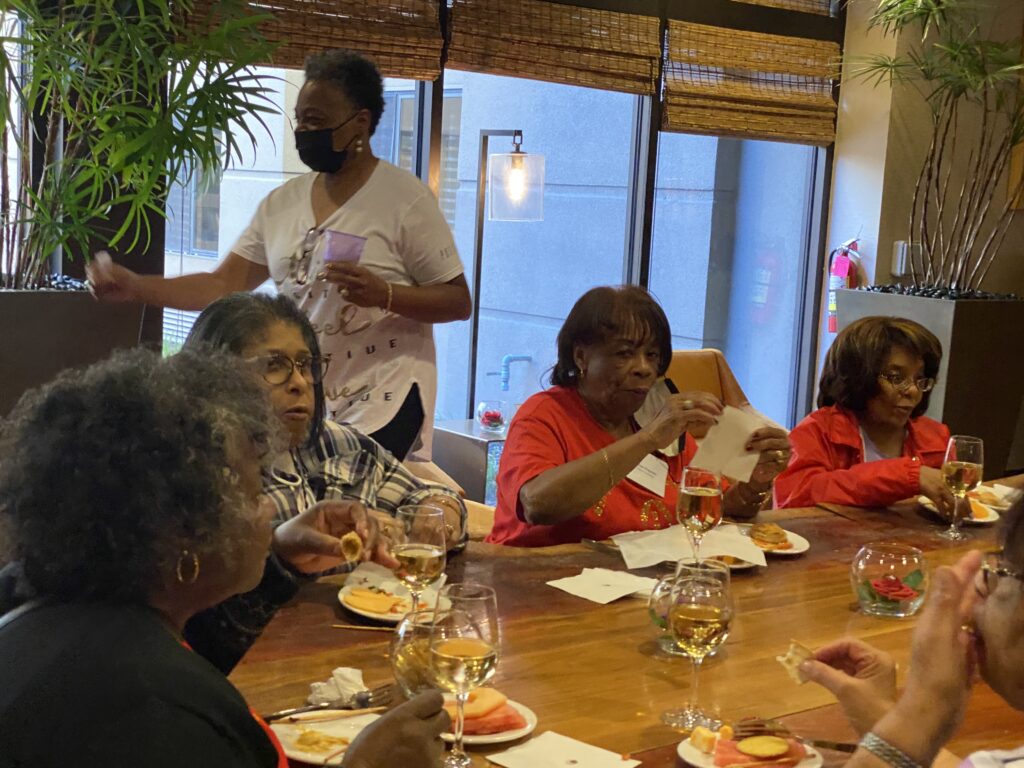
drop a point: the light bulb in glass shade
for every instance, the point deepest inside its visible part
(515, 182)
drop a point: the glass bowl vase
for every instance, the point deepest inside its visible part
(889, 579)
(492, 415)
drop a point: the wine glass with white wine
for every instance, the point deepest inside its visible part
(699, 508)
(698, 617)
(961, 472)
(418, 545)
(464, 648)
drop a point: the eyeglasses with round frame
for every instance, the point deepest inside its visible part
(299, 263)
(992, 570)
(902, 384)
(277, 369)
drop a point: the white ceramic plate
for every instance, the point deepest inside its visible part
(345, 727)
(499, 738)
(427, 598)
(799, 544)
(740, 565)
(693, 756)
(993, 516)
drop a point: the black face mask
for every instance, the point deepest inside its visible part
(316, 149)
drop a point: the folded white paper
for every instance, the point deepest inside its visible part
(552, 750)
(641, 549)
(345, 683)
(602, 585)
(724, 448)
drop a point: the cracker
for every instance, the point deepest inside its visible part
(795, 656)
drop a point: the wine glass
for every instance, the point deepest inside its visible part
(698, 618)
(418, 545)
(961, 472)
(410, 652)
(700, 504)
(657, 609)
(464, 646)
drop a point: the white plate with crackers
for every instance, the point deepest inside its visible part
(981, 514)
(320, 738)
(693, 756)
(373, 592)
(782, 542)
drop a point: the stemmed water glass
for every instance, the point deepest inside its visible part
(699, 508)
(961, 472)
(699, 616)
(418, 545)
(410, 652)
(464, 648)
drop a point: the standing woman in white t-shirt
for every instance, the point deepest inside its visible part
(391, 272)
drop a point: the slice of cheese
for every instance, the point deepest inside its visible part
(372, 602)
(795, 656)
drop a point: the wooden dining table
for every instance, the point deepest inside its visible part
(595, 673)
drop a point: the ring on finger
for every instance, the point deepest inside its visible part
(343, 291)
(687, 404)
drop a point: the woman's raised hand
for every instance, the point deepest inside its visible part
(683, 412)
(772, 444)
(860, 676)
(311, 541)
(109, 281)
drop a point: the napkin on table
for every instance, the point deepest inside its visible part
(724, 448)
(552, 750)
(641, 549)
(345, 683)
(603, 585)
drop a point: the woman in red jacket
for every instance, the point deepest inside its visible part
(868, 444)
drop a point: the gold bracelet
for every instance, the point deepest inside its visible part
(760, 498)
(391, 295)
(608, 464)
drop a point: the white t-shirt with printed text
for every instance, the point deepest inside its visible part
(376, 356)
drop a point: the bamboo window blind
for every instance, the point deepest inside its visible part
(746, 84)
(403, 37)
(557, 43)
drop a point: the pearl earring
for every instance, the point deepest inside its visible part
(359, 145)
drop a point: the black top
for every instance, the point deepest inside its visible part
(100, 685)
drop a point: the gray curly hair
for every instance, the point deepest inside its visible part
(107, 473)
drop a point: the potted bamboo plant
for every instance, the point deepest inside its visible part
(103, 103)
(963, 204)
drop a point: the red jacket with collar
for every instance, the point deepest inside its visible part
(827, 462)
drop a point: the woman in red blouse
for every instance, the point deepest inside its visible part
(869, 444)
(572, 463)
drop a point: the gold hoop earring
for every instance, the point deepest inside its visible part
(583, 374)
(194, 564)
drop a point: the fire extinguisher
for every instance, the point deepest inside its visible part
(843, 267)
(766, 271)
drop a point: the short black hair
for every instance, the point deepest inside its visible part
(603, 313)
(354, 74)
(107, 473)
(854, 362)
(233, 322)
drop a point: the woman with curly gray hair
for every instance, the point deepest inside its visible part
(131, 497)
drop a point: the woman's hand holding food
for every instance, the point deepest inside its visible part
(772, 444)
(408, 735)
(931, 485)
(860, 676)
(312, 541)
(683, 412)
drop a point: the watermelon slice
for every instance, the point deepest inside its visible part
(727, 754)
(504, 718)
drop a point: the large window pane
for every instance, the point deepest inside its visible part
(729, 255)
(532, 272)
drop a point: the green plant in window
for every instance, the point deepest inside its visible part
(972, 87)
(128, 94)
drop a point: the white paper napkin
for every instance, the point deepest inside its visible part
(345, 683)
(1005, 493)
(602, 585)
(641, 549)
(723, 449)
(552, 750)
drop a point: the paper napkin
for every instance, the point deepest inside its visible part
(724, 448)
(602, 585)
(345, 682)
(641, 549)
(552, 750)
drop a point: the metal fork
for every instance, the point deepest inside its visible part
(375, 697)
(756, 726)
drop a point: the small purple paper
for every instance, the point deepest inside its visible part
(341, 246)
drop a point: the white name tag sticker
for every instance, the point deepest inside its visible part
(651, 473)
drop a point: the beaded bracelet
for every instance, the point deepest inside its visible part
(608, 465)
(391, 295)
(887, 753)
